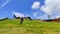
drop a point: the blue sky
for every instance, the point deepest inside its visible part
(22, 6)
(7, 7)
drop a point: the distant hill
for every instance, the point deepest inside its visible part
(4, 19)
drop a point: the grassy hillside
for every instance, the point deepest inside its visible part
(13, 26)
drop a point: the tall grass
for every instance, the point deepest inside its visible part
(28, 26)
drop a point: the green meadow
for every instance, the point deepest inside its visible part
(13, 26)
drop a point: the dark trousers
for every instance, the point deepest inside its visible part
(21, 21)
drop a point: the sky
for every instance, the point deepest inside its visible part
(36, 9)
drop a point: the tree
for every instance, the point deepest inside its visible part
(29, 18)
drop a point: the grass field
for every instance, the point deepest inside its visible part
(13, 26)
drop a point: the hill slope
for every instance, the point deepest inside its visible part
(13, 26)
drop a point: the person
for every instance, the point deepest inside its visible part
(21, 20)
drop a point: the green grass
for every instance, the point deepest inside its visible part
(13, 26)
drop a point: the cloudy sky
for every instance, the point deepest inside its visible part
(36, 9)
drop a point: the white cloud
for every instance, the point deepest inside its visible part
(43, 17)
(35, 13)
(17, 14)
(4, 4)
(57, 16)
(38, 17)
(51, 7)
(36, 5)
